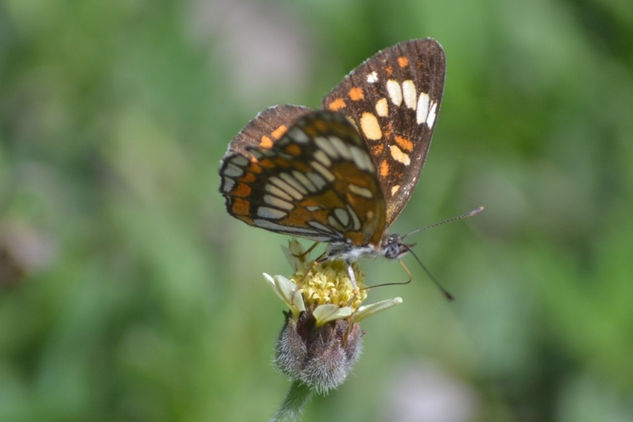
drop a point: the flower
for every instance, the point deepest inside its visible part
(321, 338)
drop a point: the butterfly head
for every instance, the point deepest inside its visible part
(392, 246)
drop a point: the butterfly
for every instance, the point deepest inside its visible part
(342, 174)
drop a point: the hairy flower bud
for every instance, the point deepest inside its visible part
(321, 338)
(320, 357)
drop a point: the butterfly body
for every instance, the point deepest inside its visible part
(343, 174)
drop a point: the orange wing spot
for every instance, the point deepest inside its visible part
(356, 93)
(337, 104)
(248, 178)
(281, 162)
(241, 190)
(253, 168)
(266, 142)
(404, 143)
(376, 150)
(320, 125)
(357, 238)
(388, 130)
(266, 162)
(279, 132)
(309, 203)
(403, 61)
(384, 168)
(293, 149)
(241, 206)
(389, 70)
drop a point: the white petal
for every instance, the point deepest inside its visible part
(329, 312)
(287, 292)
(364, 311)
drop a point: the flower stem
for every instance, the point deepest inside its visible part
(291, 408)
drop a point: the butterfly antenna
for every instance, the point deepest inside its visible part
(435, 281)
(448, 220)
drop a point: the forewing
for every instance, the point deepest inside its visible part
(393, 98)
(266, 128)
(317, 181)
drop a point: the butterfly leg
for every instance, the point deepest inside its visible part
(307, 251)
(406, 270)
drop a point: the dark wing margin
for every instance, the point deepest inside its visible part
(394, 99)
(266, 128)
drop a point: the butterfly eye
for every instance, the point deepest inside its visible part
(394, 248)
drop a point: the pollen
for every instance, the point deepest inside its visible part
(329, 283)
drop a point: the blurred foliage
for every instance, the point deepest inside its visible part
(128, 293)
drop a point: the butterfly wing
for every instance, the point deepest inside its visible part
(266, 128)
(317, 181)
(393, 98)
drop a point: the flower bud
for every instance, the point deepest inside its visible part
(319, 356)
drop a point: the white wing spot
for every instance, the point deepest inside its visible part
(409, 93)
(423, 108)
(277, 202)
(324, 172)
(360, 191)
(232, 170)
(394, 189)
(271, 213)
(228, 185)
(334, 223)
(319, 226)
(395, 93)
(342, 216)
(360, 159)
(382, 108)
(372, 78)
(304, 180)
(298, 135)
(239, 160)
(341, 147)
(293, 182)
(318, 181)
(277, 191)
(356, 225)
(286, 187)
(430, 119)
(369, 125)
(267, 224)
(326, 146)
(322, 157)
(399, 156)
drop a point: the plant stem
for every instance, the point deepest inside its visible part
(290, 410)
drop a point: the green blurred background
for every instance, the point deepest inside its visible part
(128, 293)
